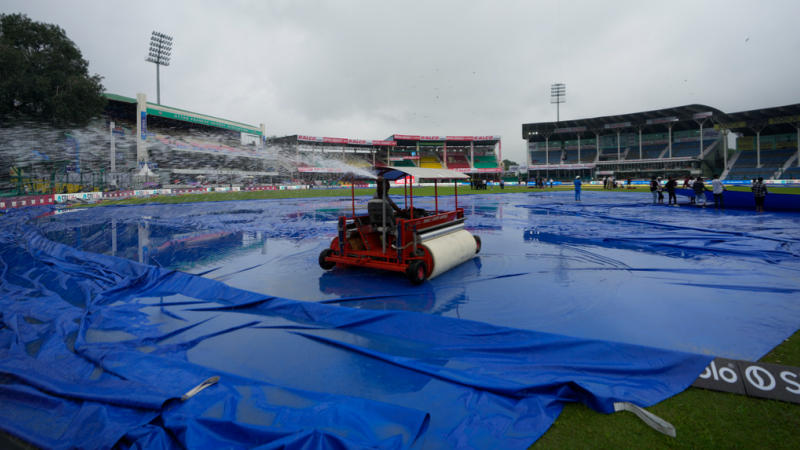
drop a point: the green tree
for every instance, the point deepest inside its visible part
(43, 74)
(508, 163)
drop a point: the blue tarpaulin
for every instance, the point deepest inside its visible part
(109, 315)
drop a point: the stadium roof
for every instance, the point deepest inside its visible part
(183, 115)
(780, 119)
(776, 120)
(681, 118)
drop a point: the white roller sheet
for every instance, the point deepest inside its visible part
(450, 250)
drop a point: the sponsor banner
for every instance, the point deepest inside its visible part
(611, 126)
(189, 190)
(320, 170)
(406, 137)
(185, 116)
(146, 192)
(261, 188)
(118, 194)
(144, 125)
(459, 138)
(401, 158)
(25, 200)
(661, 120)
(757, 379)
(83, 196)
(414, 137)
(570, 130)
(702, 115)
(561, 166)
(346, 141)
(480, 170)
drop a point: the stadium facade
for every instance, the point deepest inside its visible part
(316, 157)
(179, 146)
(682, 141)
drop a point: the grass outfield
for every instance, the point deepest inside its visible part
(703, 419)
(344, 192)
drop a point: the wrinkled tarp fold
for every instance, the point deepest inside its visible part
(109, 345)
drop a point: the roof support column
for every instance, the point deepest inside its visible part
(499, 153)
(619, 155)
(758, 149)
(141, 128)
(724, 148)
(547, 150)
(527, 154)
(797, 144)
(670, 140)
(597, 146)
(445, 155)
(702, 147)
(113, 149)
(579, 148)
(640, 142)
(472, 154)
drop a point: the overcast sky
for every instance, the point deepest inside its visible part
(369, 69)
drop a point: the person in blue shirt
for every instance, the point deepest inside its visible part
(577, 188)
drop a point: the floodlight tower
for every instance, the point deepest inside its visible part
(558, 95)
(160, 49)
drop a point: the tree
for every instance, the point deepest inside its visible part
(43, 74)
(508, 163)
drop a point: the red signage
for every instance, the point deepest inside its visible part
(406, 137)
(28, 200)
(346, 141)
(411, 137)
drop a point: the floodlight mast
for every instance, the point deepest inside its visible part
(160, 50)
(558, 95)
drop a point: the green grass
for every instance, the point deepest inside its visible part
(444, 190)
(703, 419)
(302, 193)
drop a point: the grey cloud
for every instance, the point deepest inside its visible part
(368, 69)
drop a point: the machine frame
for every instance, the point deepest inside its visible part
(396, 244)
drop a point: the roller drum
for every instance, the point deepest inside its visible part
(450, 250)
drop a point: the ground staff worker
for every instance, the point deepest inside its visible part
(577, 188)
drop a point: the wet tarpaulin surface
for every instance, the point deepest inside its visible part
(608, 300)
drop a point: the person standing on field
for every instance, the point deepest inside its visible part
(717, 189)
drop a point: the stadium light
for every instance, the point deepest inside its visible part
(160, 50)
(558, 95)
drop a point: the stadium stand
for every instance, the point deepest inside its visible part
(403, 163)
(776, 151)
(792, 173)
(668, 142)
(430, 162)
(485, 161)
(457, 161)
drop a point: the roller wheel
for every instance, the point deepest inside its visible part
(417, 272)
(477, 243)
(326, 265)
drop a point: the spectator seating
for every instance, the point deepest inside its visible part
(490, 162)
(430, 162)
(457, 161)
(403, 163)
(792, 173)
